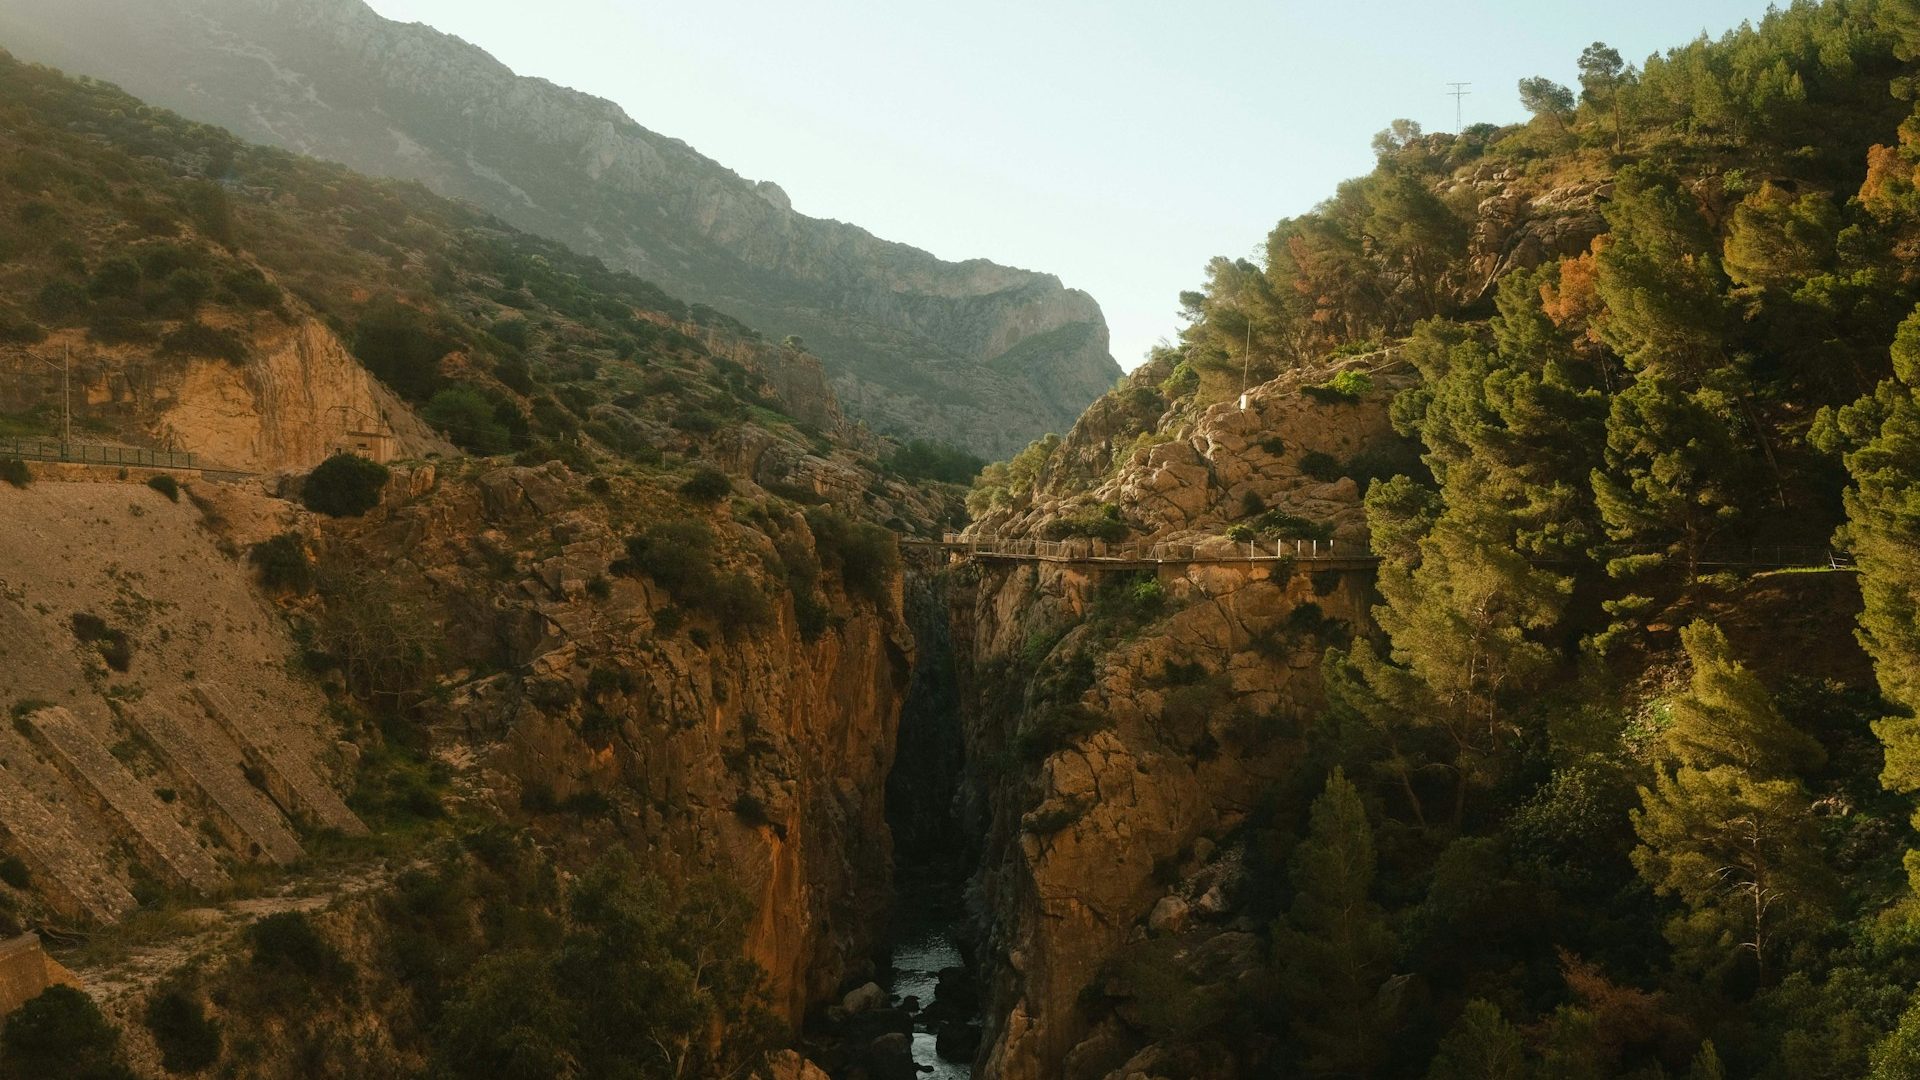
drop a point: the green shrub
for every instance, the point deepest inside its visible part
(1346, 386)
(1321, 466)
(678, 555)
(1182, 381)
(924, 459)
(738, 603)
(61, 300)
(117, 278)
(287, 950)
(61, 1035)
(250, 288)
(1100, 523)
(15, 472)
(17, 329)
(344, 485)
(116, 328)
(1284, 526)
(469, 420)
(283, 563)
(810, 614)
(199, 339)
(189, 1041)
(114, 645)
(707, 485)
(513, 331)
(402, 348)
(1274, 444)
(165, 485)
(1129, 600)
(1054, 729)
(865, 554)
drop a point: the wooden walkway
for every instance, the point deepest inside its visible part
(1101, 555)
(1306, 554)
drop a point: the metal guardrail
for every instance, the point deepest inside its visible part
(94, 454)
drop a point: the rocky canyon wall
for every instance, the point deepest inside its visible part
(1124, 729)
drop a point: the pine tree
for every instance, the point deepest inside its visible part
(1706, 1064)
(1726, 827)
(1671, 482)
(1333, 947)
(1481, 1046)
(1666, 297)
(1728, 718)
(1880, 437)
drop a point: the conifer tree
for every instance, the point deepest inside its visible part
(1481, 1046)
(1880, 438)
(1726, 827)
(1660, 278)
(1333, 947)
(1706, 1064)
(1672, 480)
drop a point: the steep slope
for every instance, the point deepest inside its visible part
(973, 353)
(1580, 772)
(1126, 731)
(617, 635)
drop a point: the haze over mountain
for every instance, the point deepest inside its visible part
(975, 353)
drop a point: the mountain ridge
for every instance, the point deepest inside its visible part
(909, 338)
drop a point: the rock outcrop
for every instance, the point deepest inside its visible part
(972, 352)
(737, 747)
(1122, 727)
(158, 732)
(297, 397)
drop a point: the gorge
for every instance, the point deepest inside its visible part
(1481, 644)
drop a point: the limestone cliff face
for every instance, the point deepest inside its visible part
(297, 397)
(1122, 728)
(974, 352)
(1184, 474)
(752, 752)
(293, 402)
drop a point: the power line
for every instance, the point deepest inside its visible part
(1459, 91)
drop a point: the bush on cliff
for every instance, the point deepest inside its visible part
(866, 555)
(344, 485)
(283, 563)
(61, 1035)
(189, 1041)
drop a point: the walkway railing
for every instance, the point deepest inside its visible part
(1089, 550)
(1223, 550)
(94, 454)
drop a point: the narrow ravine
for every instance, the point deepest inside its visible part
(931, 976)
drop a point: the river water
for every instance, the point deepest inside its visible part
(925, 933)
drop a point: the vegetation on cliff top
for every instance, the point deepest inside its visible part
(1576, 842)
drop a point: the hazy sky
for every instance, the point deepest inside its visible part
(1116, 143)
